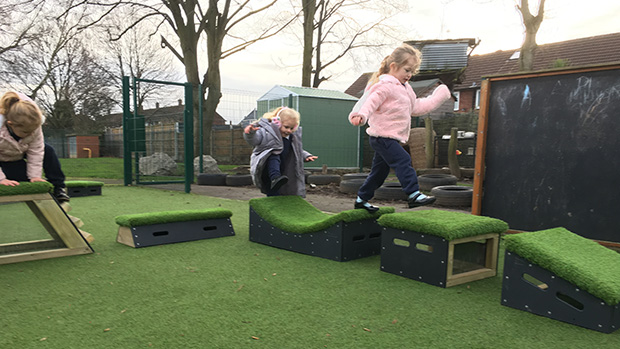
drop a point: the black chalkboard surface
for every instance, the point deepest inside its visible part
(552, 152)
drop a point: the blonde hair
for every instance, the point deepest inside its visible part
(283, 113)
(400, 56)
(20, 112)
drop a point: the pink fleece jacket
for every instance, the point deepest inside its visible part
(388, 106)
(32, 145)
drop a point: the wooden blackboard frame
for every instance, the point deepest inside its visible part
(486, 94)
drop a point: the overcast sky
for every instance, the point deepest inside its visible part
(496, 23)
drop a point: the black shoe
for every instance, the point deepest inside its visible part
(277, 183)
(365, 205)
(60, 193)
(413, 202)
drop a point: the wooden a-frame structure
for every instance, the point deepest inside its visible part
(65, 238)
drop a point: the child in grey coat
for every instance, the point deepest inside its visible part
(277, 160)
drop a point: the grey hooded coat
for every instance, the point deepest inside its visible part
(267, 140)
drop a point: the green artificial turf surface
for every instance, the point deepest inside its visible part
(163, 217)
(578, 260)
(80, 184)
(232, 293)
(445, 224)
(296, 215)
(25, 188)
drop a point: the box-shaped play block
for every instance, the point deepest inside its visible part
(291, 223)
(441, 248)
(83, 188)
(158, 228)
(579, 283)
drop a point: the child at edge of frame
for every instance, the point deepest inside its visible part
(387, 105)
(23, 153)
(277, 160)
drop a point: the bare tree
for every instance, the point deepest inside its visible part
(335, 32)
(188, 21)
(532, 24)
(17, 27)
(31, 66)
(138, 54)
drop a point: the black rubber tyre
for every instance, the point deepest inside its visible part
(348, 176)
(390, 191)
(452, 195)
(211, 179)
(238, 180)
(351, 186)
(323, 179)
(429, 181)
(306, 174)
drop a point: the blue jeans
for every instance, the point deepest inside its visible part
(389, 154)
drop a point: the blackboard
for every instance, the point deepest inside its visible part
(551, 152)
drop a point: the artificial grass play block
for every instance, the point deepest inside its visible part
(157, 228)
(26, 188)
(83, 188)
(441, 248)
(65, 239)
(561, 275)
(292, 223)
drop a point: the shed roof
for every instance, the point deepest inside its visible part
(280, 91)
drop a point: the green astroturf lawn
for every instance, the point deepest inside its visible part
(231, 293)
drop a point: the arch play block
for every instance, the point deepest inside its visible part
(83, 188)
(563, 276)
(292, 223)
(441, 248)
(64, 237)
(158, 228)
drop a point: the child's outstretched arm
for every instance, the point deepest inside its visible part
(307, 156)
(251, 136)
(428, 104)
(370, 101)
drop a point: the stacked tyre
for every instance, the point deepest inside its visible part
(430, 181)
(351, 182)
(211, 179)
(452, 195)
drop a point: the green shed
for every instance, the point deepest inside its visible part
(327, 132)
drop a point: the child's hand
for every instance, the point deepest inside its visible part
(356, 120)
(250, 128)
(9, 182)
(37, 179)
(311, 158)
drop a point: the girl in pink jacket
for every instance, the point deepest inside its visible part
(21, 138)
(387, 106)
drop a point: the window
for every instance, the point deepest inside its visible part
(456, 94)
(477, 102)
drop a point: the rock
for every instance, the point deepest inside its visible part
(209, 165)
(158, 164)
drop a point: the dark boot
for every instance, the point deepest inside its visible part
(278, 182)
(60, 193)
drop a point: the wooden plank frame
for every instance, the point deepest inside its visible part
(490, 260)
(483, 122)
(66, 239)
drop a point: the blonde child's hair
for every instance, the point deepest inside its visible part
(20, 112)
(283, 113)
(400, 56)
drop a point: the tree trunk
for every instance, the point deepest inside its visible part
(532, 24)
(309, 8)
